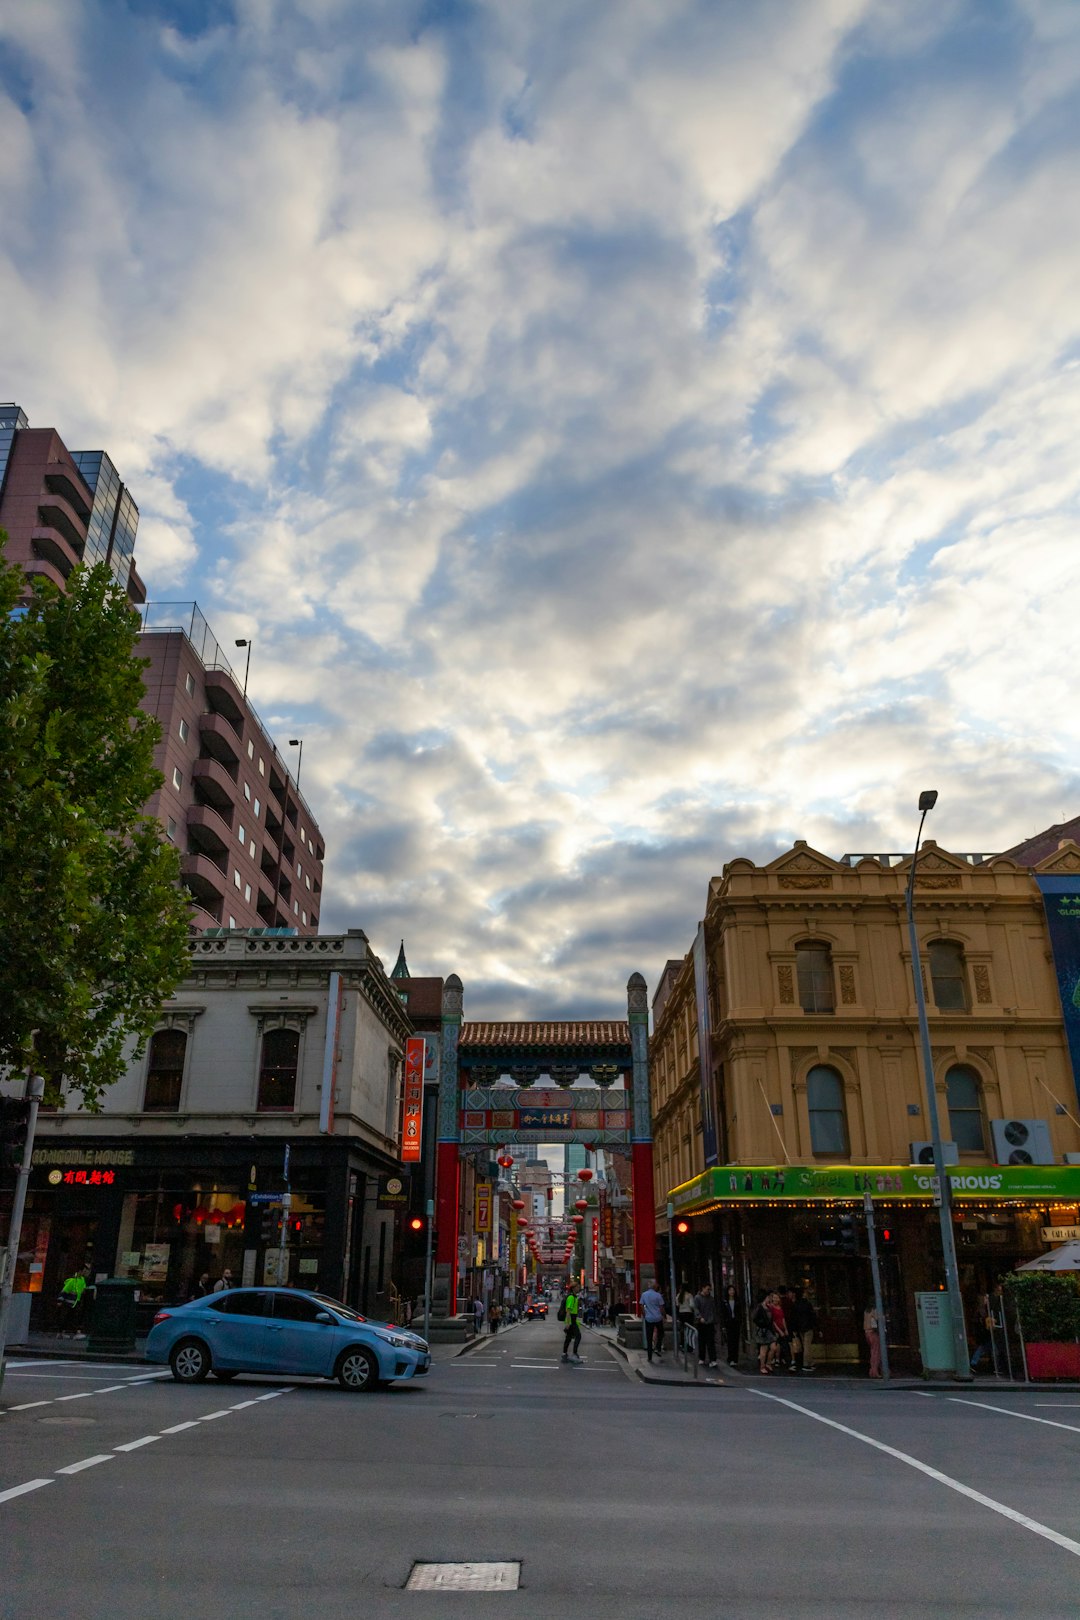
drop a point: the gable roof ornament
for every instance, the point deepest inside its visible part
(400, 969)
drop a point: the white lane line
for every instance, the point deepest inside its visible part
(208, 1417)
(108, 1390)
(26, 1406)
(83, 1395)
(133, 1445)
(21, 1490)
(178, 1428)
(147, 1378)
(87, 1462)
(1072, 1406)
(1026, 1417)
(1021, 1519)
(240, 1405)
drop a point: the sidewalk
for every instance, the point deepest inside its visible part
(669, 1370)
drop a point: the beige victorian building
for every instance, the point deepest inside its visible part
(811, 1081)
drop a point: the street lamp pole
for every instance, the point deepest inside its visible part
(962, 1372)
(298, 742)
(245, 642)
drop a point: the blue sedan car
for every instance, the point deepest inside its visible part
(283, 1330)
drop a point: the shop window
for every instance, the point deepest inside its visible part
(947, 975)
(165, 1071)
(813, 965)
(277, 1072)
(828, 1120)
(964, 1097)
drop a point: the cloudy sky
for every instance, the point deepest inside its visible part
(635, 432)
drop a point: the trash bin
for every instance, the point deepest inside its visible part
(112, 1316)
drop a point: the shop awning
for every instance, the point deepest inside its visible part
(780, 1184)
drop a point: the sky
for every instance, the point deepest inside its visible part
(636, 434)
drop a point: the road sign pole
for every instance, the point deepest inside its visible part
(427, 1267)
(671, 1267)
(875, 1272)
(35, 1090)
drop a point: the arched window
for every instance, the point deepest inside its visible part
(828, 1120)
(947, 975)
(277, 1071)
(813, 966)
(165, 1071)
(964, 1096)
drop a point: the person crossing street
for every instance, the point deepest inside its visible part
(569, 1311)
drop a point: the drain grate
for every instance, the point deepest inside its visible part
(464, 1578)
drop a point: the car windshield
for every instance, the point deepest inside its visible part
(339, 1307)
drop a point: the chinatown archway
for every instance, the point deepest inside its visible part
(583, 1081)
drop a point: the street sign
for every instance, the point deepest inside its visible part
(265, 1197)
(1060, 1234)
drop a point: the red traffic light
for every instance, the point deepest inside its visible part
(682, 1227)
(416, 1224)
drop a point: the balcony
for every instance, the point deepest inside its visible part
(55, 513)
(215, 783)
(270, 857)
(224, 696)
(37, 567)
(205, 880)
(55, 548)
(220, 741)
(68, 485)
(208, 831)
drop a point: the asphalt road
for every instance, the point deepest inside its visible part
(269, 1500)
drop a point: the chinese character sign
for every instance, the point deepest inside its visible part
(482, 1211)
(412, 1119)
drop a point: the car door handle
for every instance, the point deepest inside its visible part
(275, 1327)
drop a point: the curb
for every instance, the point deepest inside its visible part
(113, 1359)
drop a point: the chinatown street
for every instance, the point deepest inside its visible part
(125, 1495)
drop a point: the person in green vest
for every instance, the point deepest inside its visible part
(71, 1303)
(568, 1313)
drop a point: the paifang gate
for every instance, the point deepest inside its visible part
(525, 1082)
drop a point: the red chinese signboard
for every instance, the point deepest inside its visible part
(412, 1118)
(595, 1250)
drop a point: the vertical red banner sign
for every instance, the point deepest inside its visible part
(412, 1117)
(595, 1249)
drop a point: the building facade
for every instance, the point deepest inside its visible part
(63, 507)
(275, 1067)
(251, 850)
(809, 1093)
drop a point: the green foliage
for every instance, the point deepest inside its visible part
(1048, 1303)
(94, 925)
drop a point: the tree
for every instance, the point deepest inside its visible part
(93, 923)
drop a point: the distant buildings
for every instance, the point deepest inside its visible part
(63, 507)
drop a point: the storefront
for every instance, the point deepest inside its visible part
(805, 1225)
(167, 1214)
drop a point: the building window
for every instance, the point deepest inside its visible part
(964, 1096)
(828, 1120)
(296, 908)
(307, 880)
(256, 809)
(241, 834)
(183, 729)
(177, 778)
(165, 1071)
(303, 918)
(170, 829)
(262, 766)
(189, 685)
(232, 922)
(299, 870)
(813, 967)
(236, 877)
(247, 792)
(251, 749)
(277, 1071)
(247, 891)
(947, 975)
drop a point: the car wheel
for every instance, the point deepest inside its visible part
(190, 1362)
(226, 1377)
(357, 1371)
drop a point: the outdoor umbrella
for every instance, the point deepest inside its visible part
(1066, 1258)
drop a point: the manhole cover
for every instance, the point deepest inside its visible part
(464, 1578)
(68, 1423)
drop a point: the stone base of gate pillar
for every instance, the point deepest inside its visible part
(452, 1329)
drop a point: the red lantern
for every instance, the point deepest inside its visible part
(590, 1147)
(584, 1175)
(517, 1203)
(506, 1161)
(523, 1226)
(582, 1204)
(577, 1219)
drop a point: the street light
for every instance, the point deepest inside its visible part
(298, 742)
(245, 641)
(963, 1372)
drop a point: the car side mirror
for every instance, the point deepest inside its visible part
(324, 1316)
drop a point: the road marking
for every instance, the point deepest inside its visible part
(133, 1445)
(464, 1578)
(208, 1417)
(239, 1407)
(1072, 1406)
(21, 1490)
(87, 1462)
(1021, 1519)
(178, 1428)
(83, 1395)
(108, 1390)
(26, 1406)
(1003, 1411)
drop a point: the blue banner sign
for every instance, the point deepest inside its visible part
(1061, 897)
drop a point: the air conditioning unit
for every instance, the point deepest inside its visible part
(1072, 1158)
(1021, 1141)
(923, 1153)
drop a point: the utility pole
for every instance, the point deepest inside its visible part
(35, 1090)
(671, 1267)
(875, 1272)
(427, 1267)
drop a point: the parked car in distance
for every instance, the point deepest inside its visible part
(283, 1330)
(536, 1308)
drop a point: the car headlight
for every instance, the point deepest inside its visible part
(396, 1339)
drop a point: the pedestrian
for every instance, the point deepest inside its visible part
(804, 1322)
(202, 1287)
(990, 1314)
(872, 1332)
(70, 1302)
(653, 1309)
(568, 1312)
(705, 1315)
(494, 1316)
(764, 1330)
(786, 1299)
(224, 1281)
(732, 1320)
(684, 1314)
(478, 1313)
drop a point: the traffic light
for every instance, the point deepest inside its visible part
(888, 1237)
(848, 1235)
(682, 1227)
(14, 1118)
(415, 1239)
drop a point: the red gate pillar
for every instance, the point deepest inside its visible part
(448, 1155)
(641, 1151)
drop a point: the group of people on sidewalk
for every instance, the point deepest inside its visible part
(702, 1312)
(782, 1326)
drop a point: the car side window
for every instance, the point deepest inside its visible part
(294, 1308)
(248, 1302)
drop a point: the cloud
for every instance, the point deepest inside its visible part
(632, 435)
